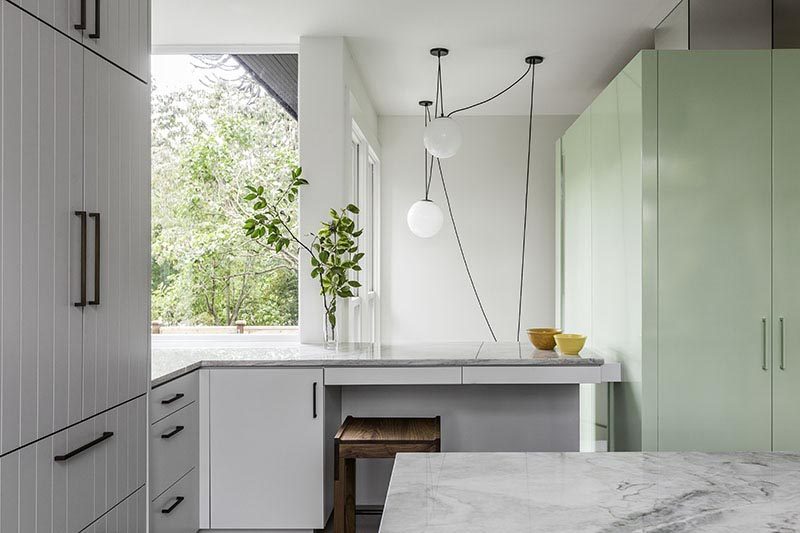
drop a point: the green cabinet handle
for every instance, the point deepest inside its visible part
(783, 351)
(764, 344)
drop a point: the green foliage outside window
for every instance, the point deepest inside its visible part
(207, 146)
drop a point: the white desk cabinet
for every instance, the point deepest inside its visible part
(267, 448)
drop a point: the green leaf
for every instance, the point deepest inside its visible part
(354, 283)
(352, 208)
(296, 171)
(251, 196)
(358, 257)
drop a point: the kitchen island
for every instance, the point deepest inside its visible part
(266, 415)
(559, 492)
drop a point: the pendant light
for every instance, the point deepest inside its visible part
(442, 139)
(425, 218)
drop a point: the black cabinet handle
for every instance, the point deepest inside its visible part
(96, 217)
(314, 399)
(170, 434)
(82, 24)
(173, 398)
(176, 503)
(96, 34)
(76, 451)
(82, 215)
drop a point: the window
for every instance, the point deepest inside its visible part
(216, 128)
(363, 317)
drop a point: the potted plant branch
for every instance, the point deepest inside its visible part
(333, 250)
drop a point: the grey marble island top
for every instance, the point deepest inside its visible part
(172, 360)
(558, 492)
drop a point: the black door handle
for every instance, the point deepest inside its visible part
(82, 24)
(96, 217)
(76, 451)
(176, 503)
(314, 399)
(82, 215)
(96, 34)
(173, 398)
(170, 434)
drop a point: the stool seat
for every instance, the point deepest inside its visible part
(374, 438)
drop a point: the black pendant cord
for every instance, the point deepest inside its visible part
(461, 249)
(501, 93)
(426, 104)
(525, 211)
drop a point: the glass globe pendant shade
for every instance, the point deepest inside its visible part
(425, 219)
(442, 137)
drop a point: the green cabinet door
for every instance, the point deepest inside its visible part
(714, 256)
(786, 250)
(576, 171)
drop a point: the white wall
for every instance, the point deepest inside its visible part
(426, 295)
(330, 95)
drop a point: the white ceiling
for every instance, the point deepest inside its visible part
(585, 42)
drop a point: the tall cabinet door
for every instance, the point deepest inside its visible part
(40, 190)
(786, 250)
(714, 259)
(119, 31)
(577, 226)
(117, 201)
(64, 15)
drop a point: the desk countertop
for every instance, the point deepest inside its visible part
(171, 360)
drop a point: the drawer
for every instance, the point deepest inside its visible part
(174, 443)
(171, 396)
(176, 511)
(105, 458)
(531, 375)
(447, 375)
(130, 516)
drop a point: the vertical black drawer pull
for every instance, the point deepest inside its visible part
(172, 507)
(76, 451)
(314, 399)
(96, 217)
(82, 24)
(96, 34)
(173, 398)
(170, 434)
(82, 215)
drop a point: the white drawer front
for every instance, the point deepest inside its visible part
(106, 473)
(171, 396)
(176, 510)
(42, 494)
(531, 375)
(393, 376)
(173, 448)
(129, 516)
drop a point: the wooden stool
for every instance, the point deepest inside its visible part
(374, 438)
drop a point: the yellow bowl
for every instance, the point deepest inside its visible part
(570, 343)
(542, 338)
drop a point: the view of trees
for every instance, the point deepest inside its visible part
(210, 140)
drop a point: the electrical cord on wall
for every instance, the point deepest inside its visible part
(525, 209)
(461, 249)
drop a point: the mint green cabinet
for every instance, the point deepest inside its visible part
(786, 250)
(694, 192)
(714, 216)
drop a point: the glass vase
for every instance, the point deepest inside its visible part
(330, 333)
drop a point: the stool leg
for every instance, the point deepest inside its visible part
(344, 498)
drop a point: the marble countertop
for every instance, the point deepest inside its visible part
(171, 360)
(558, 492)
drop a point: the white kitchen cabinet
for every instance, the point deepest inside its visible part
(176, 510)
(128, 517)
(63, 15)
(118, 31)
(117, 201)
(173, 448)
(43, 491)
(267, 448)
(42, 177)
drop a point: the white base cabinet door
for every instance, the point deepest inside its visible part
(266, 449)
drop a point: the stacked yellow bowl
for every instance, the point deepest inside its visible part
(542, 338)
(570, 343)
